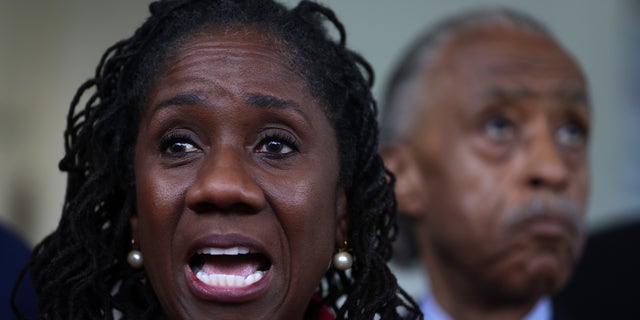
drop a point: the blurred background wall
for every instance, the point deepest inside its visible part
(48, 48)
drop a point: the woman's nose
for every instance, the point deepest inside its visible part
(224, 183)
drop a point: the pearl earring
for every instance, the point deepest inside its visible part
(343, 260)
(134, 258)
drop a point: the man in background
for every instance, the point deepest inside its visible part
(486, 128)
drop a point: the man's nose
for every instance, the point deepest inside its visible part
(224, 183)
(546, 165)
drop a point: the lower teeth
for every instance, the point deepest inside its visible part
(229, 280)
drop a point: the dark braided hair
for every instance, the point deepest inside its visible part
(80, 270)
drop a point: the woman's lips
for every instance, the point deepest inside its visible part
(228, 268)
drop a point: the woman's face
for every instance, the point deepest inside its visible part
(236, 165)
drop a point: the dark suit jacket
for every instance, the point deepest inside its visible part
(606, 282)
(14, 254)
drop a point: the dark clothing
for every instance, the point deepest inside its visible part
(319, 310)
(606, 282)
(14, 254)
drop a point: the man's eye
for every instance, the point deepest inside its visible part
(571, 135)
(499, 129)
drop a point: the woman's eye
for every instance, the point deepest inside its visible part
(177, 146)
(499, 129)
(276, 146)
(571, 135)
(181, 147)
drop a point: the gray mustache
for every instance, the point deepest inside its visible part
(541, 207)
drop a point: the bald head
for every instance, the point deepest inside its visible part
(406, 86)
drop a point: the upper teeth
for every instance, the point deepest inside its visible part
(228, 251)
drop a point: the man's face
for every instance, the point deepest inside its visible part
(502, 149)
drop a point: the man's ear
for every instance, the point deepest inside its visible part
(410, 188)
(342, 230)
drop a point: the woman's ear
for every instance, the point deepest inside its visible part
(342, 219)
(410, 188)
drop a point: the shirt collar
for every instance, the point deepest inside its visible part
(432, 310)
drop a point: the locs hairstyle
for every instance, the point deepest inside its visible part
(80, 270)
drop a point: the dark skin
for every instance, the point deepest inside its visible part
(502, 129)
(233, 151)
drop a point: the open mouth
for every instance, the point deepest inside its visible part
(233, 267)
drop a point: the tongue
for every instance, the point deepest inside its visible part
(242, 265)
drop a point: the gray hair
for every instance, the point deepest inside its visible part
(399, 99)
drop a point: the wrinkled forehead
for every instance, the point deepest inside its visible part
(241, 46)
(513, 57)
(250, 38)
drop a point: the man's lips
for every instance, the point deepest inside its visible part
(549, 225)
(546, 217)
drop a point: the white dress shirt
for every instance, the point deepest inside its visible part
(433, 311)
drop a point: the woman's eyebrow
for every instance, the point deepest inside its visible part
(183, 99)
(190, 98)
(259, 100)
(268, 101)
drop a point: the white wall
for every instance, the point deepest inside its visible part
(48, 48)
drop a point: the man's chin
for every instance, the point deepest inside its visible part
(539, 279)
(530, 281)
(549, 273)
